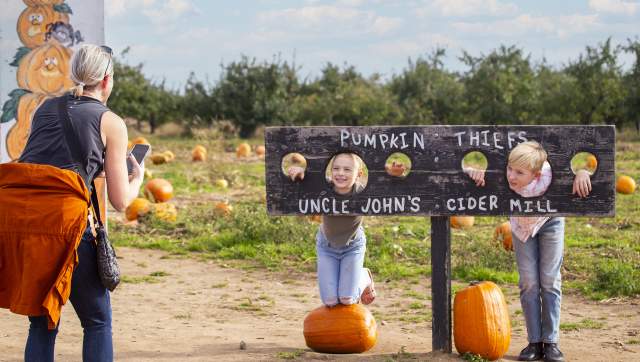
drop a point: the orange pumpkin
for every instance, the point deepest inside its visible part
(19, 133)
(340, 329)
(159, 158)
(396, 169)
(481, 321)
(137, 208)
(158, 190)
(198, 155)
(201, 148)
(459, 222)
(140, 140)
(33, 21)
(260, 151)
(315, 218)
(625, 185)
(46, 69)
(243, 150)
(42, 2)
(592, 163)
(223, 209)
(170, 155)
(503, 234)
(165, 212)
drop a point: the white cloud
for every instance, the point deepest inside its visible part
(420, 45)
(158, 12)
(466, 8)
(614, 6)
(333, 19)
(559, 26)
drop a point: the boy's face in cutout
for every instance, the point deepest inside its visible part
(344, 172)
(519, 176)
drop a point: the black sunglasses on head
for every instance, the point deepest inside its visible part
(109, 51)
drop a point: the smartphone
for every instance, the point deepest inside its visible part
(139, 152)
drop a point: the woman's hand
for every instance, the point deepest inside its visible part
(476, 175)
(137, 169)
(582, 183)
(296, 173)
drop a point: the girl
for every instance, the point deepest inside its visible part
(340, 241)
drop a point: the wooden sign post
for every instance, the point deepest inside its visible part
(436, 185)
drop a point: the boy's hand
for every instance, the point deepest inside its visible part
(296, 173)
(582, 183)
(476, 175)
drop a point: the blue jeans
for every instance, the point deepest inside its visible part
(91, 302)
(341, 276)
(539, 261)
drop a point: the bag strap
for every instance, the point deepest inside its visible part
(76, 155)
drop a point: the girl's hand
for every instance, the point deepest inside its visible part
(582, 183)
(476, 175)
(296, 173)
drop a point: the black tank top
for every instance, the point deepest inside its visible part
(47, 145)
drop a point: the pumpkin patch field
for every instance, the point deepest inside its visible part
(208, 275)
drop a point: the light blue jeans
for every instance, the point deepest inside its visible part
(341, 276)
(539, 261)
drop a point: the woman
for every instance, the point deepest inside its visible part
(102, 137)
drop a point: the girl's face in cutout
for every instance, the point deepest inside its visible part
(520, 177)
(344, 172)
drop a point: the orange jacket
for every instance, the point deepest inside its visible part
(43, 214)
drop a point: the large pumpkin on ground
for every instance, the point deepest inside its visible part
(458, 222)
(140, 140)
(158, 190)
(137, 208)
(19, 133)
(481, 321)
(46, 69)
(165, 211)
(340, 329)
(503, 235)
(625, 185)
(33, 21)
(243, 150)
(198, 155)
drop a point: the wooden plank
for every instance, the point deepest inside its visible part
(436, 184)
(441, 284)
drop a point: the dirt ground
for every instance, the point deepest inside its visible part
(176, 308)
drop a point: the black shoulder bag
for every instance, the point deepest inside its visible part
(107, 264)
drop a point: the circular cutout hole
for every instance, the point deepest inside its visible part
(475, 160)
(293, 163)
(346, 173)
(584, 161)
(398, 165)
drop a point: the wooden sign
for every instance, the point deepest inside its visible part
(436, 184)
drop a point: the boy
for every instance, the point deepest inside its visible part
(538, 243)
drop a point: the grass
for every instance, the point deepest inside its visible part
(583, 324)
(602, 255)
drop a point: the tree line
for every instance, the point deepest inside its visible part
(502, 87)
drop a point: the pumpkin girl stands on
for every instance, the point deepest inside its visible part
(340, 240)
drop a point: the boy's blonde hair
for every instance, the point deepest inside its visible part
(529, 155)
(89, 65)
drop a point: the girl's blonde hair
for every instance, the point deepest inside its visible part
(89, 64)
(529, 155)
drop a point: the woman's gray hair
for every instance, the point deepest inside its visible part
(89, 64)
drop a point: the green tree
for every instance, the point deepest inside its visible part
(499, 86)
(631, 82)
(427, 93)
(598, 93)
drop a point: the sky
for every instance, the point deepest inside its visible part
(175, 37)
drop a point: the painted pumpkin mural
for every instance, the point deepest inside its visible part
(18, 135)
(42, 2)
(46, 69)
(33, 22)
